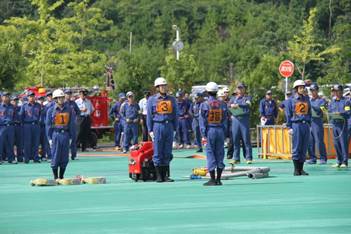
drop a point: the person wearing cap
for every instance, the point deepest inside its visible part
(240, 111)
(318, 104)
(162, 123)
(76, 112)
(229, 135)
(18, 129)
(130, 112)
(348, 96)
(7, 136)
(268, 109)
(339, 112)
(49, 101)
(117, 120)
(195, 113)
(283, 104)
(143, 112)
(86, 109)
(213, 126)
(298, 113)
(183, 135)
(43, 142)
(30, 116)
(59, 126)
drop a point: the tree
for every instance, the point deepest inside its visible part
(59, 52)
(182, 73)
(305, 48)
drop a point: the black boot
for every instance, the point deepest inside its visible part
(55, 172)
(166, 174)
(158, 174)
(212, 181)
(302, 172)
(219, 174)
(62, 172)
(296, 168)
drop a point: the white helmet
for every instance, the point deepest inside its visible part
(220, 93)
(211, 87)
(160, 81)
(298, 83)
(58, 93)
(225, 89)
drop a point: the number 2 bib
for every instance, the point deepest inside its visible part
(301, 108)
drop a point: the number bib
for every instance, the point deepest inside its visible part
(214, 116)
(164, 107)
(61, 119)
(301, 108)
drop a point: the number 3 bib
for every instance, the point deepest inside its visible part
(164, 107)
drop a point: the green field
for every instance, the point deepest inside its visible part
(282, 203)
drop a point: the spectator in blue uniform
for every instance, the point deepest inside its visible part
(76, 113)
(44, 143)
(240, 111)
(339, 113)
(7, 133)
(298, 113)
(183, 133)
(117, 120)
(30, 117)
(195, 112)
(213, 125)
(162, 123)
(318, 104)
(268, 109)
(18, 129)
(130, 112)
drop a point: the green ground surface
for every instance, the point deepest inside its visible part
(319, 203)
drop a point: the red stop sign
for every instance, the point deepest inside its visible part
(286, 68)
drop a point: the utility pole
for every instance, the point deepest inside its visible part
(177, 44)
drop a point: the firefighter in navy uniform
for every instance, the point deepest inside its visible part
(298, 113)
(162, 123)
(213, 124)
(59, 126)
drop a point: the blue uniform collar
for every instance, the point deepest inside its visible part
(298, 96)
(158, 96)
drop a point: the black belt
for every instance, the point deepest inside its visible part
(163, 121)
(32, 122)
(301, 121)
(5, 125)
(60, 130)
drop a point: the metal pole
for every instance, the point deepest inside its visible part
(130, 42)
(177, 39)
(286, 87)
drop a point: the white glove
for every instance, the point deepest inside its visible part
(290, 132)
(174, 134)
(152, 136)
(70, 141)
(50, 143)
